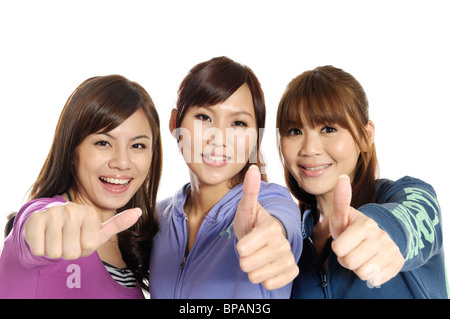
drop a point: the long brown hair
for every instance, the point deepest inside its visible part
(214, 81)
(325, 96)
(100, 104)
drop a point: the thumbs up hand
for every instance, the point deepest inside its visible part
(360, 245)
(262, 245)
(71, 231)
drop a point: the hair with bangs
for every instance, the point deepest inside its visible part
(99, 105)
(213, 82)
(326, 96)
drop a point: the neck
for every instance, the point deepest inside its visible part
(199, 202)
(203, 197)
(325, 204)
(321, 231)
(75, 197)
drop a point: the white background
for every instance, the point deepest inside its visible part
(398, 50)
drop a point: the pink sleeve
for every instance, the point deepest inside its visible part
(21, 247)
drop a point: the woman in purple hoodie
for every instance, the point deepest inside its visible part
(105, 158)
(221, 236)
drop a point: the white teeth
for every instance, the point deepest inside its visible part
(215, 158)
(116, 181)
(313, 169)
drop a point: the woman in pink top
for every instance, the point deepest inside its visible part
(69, 241)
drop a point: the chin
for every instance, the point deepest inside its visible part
(315, 189)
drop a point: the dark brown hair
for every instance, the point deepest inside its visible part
(325, 96)
(214, 81)
(101, 104)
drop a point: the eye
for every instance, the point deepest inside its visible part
(328, 129)
(240, 123)
(202, 117)
(139, 146)
(294, 132)
(102, 143)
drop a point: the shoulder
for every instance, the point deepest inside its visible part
(277, 199)
(388, 190)
(274, 190)
(172, 204)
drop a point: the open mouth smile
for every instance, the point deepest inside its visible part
(115, 181)
(315, 169)
(216, 160)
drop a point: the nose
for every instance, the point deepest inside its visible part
(214, 136)
(120, 160)
(311, 144)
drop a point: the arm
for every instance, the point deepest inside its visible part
(398, 233)
(48, 229)
(409, 212)
(266, 254)
(21, 248)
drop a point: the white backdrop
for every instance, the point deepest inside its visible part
(398, 50)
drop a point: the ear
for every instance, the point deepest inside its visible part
(370, 129)
(173, 123)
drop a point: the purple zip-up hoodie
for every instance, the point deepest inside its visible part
(211, 269)
(26, 276)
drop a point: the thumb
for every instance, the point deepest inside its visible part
(341, 206)
(119, 222)
(247, 208)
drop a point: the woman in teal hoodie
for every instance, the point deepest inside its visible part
(363, 237)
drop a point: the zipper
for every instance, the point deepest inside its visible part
(183, 263)
(186, 255)
(322, 275)
(324, 281)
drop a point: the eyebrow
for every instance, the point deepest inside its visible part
(237, 113)
(131, 139)
(291, 123)
(244, 113)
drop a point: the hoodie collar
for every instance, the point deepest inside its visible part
(219, 211)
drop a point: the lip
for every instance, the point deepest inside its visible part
(215, 161)
(314, 170)
(115, 184)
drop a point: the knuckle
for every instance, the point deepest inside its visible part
(37, 251)
(53, 253)
(349, 262)
(89, 247)
(244, 264)
(53, 217)
(270, 284)
(253, 278)
(74, 253)
(285, 247)
(346, 263)
(369, 223)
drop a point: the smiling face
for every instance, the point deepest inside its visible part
(317, 156)
(216, 141)
(111, 166)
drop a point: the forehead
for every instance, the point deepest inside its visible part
(134, 125)
(239, 103)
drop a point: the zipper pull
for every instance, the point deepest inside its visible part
(183, 262)
(324, 281)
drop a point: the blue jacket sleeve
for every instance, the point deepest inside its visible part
(408, 210)
(278, 202)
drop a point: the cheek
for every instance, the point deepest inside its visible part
(288, 151)
(185, 143)
(142, 165)
(243, 143)
(345, 151)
